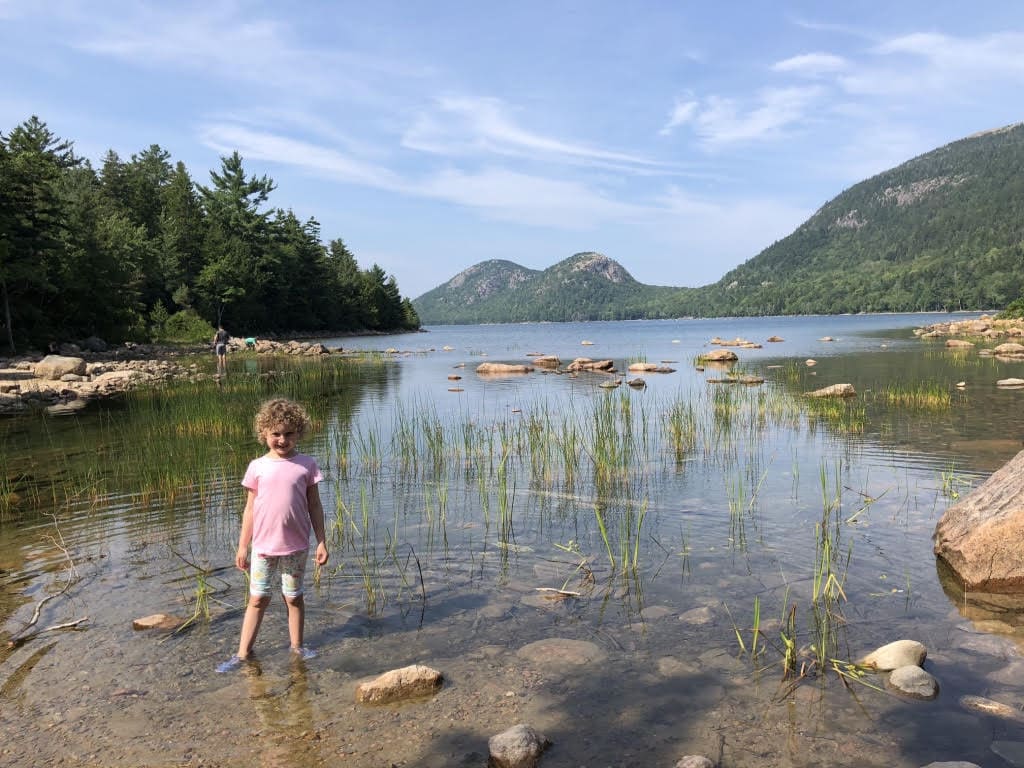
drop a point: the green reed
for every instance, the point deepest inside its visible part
(952, 484)
(917, 396)
(681, 428)
(841, 414)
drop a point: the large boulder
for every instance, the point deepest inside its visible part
(54, 366)
(835, 390)
(718, 356)
(502, 368)
(586, 364)
(980, 536)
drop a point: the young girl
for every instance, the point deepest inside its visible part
(281, 507)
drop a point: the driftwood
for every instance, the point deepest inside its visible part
(22, 636)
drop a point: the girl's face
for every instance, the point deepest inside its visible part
(281, 440)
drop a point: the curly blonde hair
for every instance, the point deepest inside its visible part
(280, 410)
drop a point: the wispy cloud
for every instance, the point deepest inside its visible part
(719, 122)
(496, 193)
(537, 201)
(682, 113)
(325, 161)
(811, 64)
(472, 126)
(222, 41)
(926, 64)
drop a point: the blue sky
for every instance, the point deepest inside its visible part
(678, 138)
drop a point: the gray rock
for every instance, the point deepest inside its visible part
(518, 747)
(562, 652)
(698, 616)
(695, 761)
(836, 390)
(914, 682)
(952, 764)
(94, 344)
(55, 366)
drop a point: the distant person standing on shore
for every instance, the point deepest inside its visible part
(220, 348)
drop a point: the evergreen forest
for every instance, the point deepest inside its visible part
(138, 251)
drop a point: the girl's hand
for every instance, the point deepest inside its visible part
(242, 559)
(321, 553)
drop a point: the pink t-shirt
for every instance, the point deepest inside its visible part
(281, 522)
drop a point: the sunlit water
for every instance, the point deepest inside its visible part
(453, 518)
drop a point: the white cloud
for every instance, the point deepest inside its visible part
(722, 122)
(537, 201)
(930, 64)
(260, 145)
(811, 64)
(494, 192)
(468, 126)
(682, 113)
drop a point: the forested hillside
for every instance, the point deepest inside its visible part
(586, 286)
(137, 250)
(943, 231)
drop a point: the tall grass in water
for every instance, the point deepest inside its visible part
(918, 396)
(830, 568)
(681, 429)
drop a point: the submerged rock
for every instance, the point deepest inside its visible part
(519, 747)
(695, 761)
(562, 652)
(990, 707)
(913, 681)
(157, 621)
(408, 682)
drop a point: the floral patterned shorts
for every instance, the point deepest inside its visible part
(263, 569)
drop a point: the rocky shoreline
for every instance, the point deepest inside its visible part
(984, 327)
(77, 374)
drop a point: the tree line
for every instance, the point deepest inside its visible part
(136, 250)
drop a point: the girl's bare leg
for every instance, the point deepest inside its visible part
(296, 619)
(251, 623)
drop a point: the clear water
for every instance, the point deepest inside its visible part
(452, 519)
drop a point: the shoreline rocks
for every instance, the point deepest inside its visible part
(76, 375)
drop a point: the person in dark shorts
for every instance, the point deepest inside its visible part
(220, 348)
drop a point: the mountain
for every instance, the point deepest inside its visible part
(586, 286)
(942, 231)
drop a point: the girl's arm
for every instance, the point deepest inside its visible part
(316, 518)
(245, 537)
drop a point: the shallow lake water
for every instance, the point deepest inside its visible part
(592, 561)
